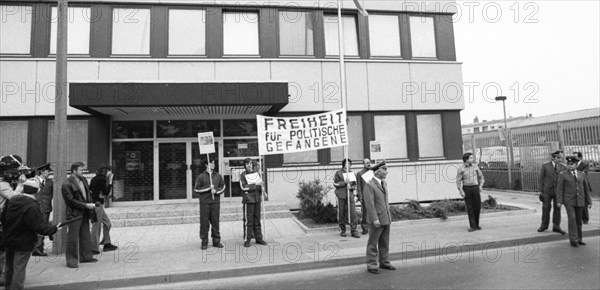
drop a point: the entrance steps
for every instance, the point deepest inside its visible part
(184, 213)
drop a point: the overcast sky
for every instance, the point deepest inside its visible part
(550, 48)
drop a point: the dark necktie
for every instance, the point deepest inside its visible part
(384, 185)
(574, 175)
(555, 167)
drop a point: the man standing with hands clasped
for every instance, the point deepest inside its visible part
(210, 185)
(469, 181)
(572, 190)
(376, 197)
(548, 178)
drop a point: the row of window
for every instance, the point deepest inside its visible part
(187, 33)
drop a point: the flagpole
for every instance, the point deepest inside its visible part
(343, 92)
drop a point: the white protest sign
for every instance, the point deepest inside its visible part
(206, 142)
(367, 176)
(375, 150)
(278, 135)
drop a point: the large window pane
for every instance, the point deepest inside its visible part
(178, 129)
(390, 131)
(15, 29)
(240, 33)
(301, 157)
(13, 139)
(422, 36)
(331, 35)
(431, 140)
(187, 32)
(295, 33)
(131, 31)
(132, 129)
(355, 135)
(240, 148)
(77, 142)
(384, 35)
(239, 128)
(78, 27)
(133, 166)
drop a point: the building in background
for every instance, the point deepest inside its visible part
(146, 77)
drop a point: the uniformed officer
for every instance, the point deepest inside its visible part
(44, 198)
(252, 202)
(210, 185)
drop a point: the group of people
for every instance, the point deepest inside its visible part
(559, 185)
(25, 207)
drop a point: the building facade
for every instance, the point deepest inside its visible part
(146, 76)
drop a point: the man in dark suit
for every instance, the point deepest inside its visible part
(584, 166)
(379, 219)
(572, 191)
(76, 193)
(251, 201)
(344, 191)
(360, 185)
(44, 198)
(547, 183)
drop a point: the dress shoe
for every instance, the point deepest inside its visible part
(388, 267)
(204, 247)
(472, 229)
(247, 244)
(581, 243)
(541, 229)
(373, 271)
(38, 253)
(92, 260)
(574, 244)
(109, 247)
(72, 267)
(261, 242)
(343, 234)
(355, 235)
(585, 222)
(365, 231)
(94, 252)
(218, 245)
(558, 230)
(478, 227)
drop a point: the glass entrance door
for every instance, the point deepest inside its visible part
(172, 171)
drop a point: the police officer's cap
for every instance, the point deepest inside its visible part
(379, 165)
(44, 167)
(572, 159)
(556, 153)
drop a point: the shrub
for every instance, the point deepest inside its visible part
(311, 194)
(489, 203)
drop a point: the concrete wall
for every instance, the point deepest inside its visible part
(28, 84)
(420, 181)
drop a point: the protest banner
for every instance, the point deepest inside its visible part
(278, 135)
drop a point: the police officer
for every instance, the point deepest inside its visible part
(252, 202)
(44, 198)
(210, 185)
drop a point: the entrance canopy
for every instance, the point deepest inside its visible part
(178, 99)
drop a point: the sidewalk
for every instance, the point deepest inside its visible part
(171, 253)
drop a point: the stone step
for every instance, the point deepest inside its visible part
(188, 219)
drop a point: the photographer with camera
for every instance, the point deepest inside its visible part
(9, 177)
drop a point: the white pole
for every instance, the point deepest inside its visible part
(343, 92)
(210, 175)
(263, 193)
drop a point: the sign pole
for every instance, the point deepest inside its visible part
(262, 205)
(210, 176)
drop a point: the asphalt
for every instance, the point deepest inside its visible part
(152, 255)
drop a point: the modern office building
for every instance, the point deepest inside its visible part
(146, 76)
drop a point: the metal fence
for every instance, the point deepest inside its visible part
(531, 146)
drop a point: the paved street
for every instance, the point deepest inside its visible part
(553, 265)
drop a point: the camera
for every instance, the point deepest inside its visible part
(12, 168)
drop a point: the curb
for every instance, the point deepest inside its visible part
(525, 209)
(290, 267)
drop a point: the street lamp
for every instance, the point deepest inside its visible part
(508, 141)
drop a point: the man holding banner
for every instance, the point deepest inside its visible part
(251, 183)
(210, 185)
(345, 186)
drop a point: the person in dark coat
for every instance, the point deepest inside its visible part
(76, 193)
(44, 198)
(210, 186)
(100, 190)
(584, 166)
(547, 183)
(360, 185)
(376, 196)
(22, 221)
(572, 190)
(344, 191)
(251, 200)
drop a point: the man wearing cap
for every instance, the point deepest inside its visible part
(572, 190)
(584, 166)
(22, 221)
(344, 191)
(360, 185)
(210, 186)
(547, 182)
(76, 193)
(251, 202)
(469, 181)
(99, 191)
(376, 197)
(44, 198)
